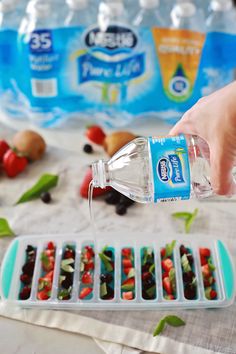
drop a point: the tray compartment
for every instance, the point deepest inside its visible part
(86, 272)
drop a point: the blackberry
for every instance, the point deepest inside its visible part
(88, 148)
(46, 197)
(121, 209)
(106, 278)
(112, 197)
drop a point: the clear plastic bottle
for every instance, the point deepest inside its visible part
(185, 15)
(220, 45)
(80, 13)
(158, 169)
(149, 14)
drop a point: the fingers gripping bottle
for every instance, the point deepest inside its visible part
(158, 169)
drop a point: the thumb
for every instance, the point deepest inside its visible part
(184, 126)
(222, 180)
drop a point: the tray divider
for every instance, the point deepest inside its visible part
(179, 275)
(197, 266)
(157, 254)
(59, 250)
(76, 278)
(37, 271)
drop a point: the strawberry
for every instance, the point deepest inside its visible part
(47, 285)
(213, 294)
(47, 262)
(126, 252)
(164, 275)
(43, 295)
(167, 264)
(51, 246)
(128, 295)
(167, 286)
(96, 134)
(90, 251)
(206, 272)
(208, 282)
(4, 147)
(89, 266)
(127, 270)
(130, 281)
(85, 292)
(203, 260)
(87, 278)
(205, 252)
(84, 188)
(127, 263)
(49, 253)
(210, 293)
(14, 164)
(68, 254)
(163, 252)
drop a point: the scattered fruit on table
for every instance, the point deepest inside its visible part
(84, 188)
(67, 273)
(45, 183)
(168, 271)
(208, 270)
(187, 217)
(107, 273)
(88, 149)
(127, 274)
(121, 202)
(87, 264)
(188, 273)
(46, 197)
(47, 272)
(115, 141)
(95, 134)
(30, 144)
(14, 164)
(148, 272)
(27, 273)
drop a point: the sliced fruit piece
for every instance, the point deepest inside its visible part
(169, 297)
(13, 164)
(127, 295)
(128, 284)
(126, 252)
(206, 272)
(87, 278)
(163, 252)
(127, 270)
(203, 260)
(84, 188)
(167, 264)
(43, 295)
(205, 252)
(95, 134)
(85, 292)
(210, 293)
(185, 264)
(167, 286)
(127, 263)
(4, 147)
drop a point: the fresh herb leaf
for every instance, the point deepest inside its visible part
(103, 289)
(106, 263)
(159, 328)
(151, 291)
(172, 277)
(127, 287)
(44, 259)
(174, 321)
(211, 265)
(187, 217)
(44, 184)
(5, 229)
(185, 264)
(169, 248)
(171, 320)
(152, 268)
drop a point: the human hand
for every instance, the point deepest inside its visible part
(213, 118)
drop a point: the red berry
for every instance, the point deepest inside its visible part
(126, 252)
(90, 251)
(14, 164)
(206, 272)
(96, 134)
(43, 295)
(25, 278)
(89, 266)
(163, 252)
(25, 293)
(68, 254)
(84, 188)
(203, 260)
(85, 292)
(167, 286)
(49, 276)
(127, 270)
(167, 264)
(87, 278)
(127, 263)
(51, 246)
(165, 274)
(213, 294)
(4, 147)
(204, 252)
(129, 281)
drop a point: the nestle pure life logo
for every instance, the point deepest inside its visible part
(170, 169)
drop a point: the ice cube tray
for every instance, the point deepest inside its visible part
(224, 275)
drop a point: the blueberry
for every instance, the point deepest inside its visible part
(112, 197)
(88, 148)
(46, 197)
(109, 295)
(121, 209)
(30, 249)
(28, 268)
(106, 278)
(188, 277)
(67, 283)
(183, 250)
(148, 283)
(190, 258)
(190, 292)
(108, 253)
(126, 201)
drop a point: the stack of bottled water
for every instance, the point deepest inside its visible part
(112, 60)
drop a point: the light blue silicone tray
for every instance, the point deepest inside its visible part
(15, 257)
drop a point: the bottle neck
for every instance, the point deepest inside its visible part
(100, 174)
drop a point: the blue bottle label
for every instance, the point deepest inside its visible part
(170, 167)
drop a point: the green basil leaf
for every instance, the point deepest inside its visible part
(159, 328)
(189, 222)
(211, 265)
(151, 291)
(5, 229)
(106, 263)
(44, 184)
(169, 248)
(182, 215)
(174, 321)
(127, 287)
(152, 268)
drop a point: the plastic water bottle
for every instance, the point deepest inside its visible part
(220, 46)
(149, 14)
(158, 169)
(185, 15)
(80, 14)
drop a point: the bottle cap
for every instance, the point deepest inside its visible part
(77, 4)
(185, 9)
(221, 5)
(39, 9)
(149, 4)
